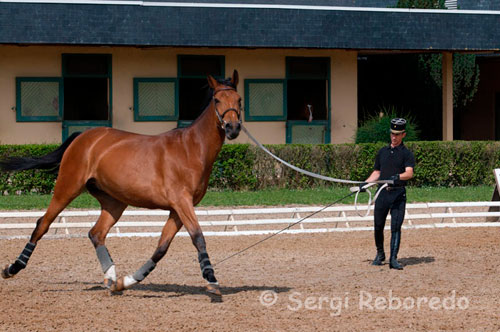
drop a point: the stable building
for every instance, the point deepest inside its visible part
(141, 66)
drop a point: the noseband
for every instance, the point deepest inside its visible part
(221, 117)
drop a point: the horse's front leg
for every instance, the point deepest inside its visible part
(207, 270)
(189, 220)
(167, 235)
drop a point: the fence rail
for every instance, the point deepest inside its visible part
(256, 221)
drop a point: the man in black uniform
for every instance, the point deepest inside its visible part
(393, 162)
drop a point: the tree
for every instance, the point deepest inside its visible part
(465, 69)
(465, 76)
(424, 4)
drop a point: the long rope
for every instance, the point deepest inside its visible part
(303, 171)
(354, 190)
(284, 229)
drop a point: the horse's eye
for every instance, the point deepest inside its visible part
(217, 100)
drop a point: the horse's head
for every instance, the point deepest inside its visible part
(227, 104)
(309, 112)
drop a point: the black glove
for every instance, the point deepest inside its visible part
(397, 180)
(361, 185)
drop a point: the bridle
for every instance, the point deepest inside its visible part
(223, 123)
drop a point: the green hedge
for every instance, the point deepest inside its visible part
(34, 181)
(245, 167)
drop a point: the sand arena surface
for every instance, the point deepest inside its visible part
(307, 282)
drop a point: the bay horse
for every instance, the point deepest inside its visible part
(169, 171)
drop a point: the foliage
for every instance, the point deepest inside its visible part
(246, 167)
(270, 197)
(465, 75)
(424, 4)
(465, 69)
(32, 181)
(376, 128)
(233, 168)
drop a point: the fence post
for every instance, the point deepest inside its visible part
(495, 197)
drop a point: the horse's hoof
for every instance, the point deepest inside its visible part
(117, 287)
(5, 272)
(108, 283)
(214, 289)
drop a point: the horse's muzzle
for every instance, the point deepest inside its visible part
(232, 130)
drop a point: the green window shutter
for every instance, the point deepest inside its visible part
(265, 100)
(155, 99)
(39, 99)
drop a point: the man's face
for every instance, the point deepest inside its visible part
(396, 139)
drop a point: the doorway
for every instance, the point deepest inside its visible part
(87, 92)
(308, 100)
(193, 85)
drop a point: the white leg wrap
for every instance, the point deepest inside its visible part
(110, 273)
(129, 281)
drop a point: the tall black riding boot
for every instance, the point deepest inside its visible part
(379, 243)
(395, 241)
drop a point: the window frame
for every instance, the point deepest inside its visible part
(248, 116)
(48, 118)
(142, 118)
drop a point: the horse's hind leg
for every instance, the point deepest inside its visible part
(167, 235)
(64, 192)
(111, 211)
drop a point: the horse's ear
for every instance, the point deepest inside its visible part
(212, 82)
(235, 78)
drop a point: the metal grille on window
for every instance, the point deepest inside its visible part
(156, 99)
(305, 134)
(266, 99)
(39, 99)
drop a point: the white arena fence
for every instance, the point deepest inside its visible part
(251, 221)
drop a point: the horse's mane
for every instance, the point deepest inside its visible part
(210, 92)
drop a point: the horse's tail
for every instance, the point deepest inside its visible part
(49, 161)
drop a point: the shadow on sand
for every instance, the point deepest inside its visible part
(407, 261)
(176, 290)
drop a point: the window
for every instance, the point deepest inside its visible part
(265, 100)
(39, 99)
(155, 99)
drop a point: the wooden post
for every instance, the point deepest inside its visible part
(447, 72)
